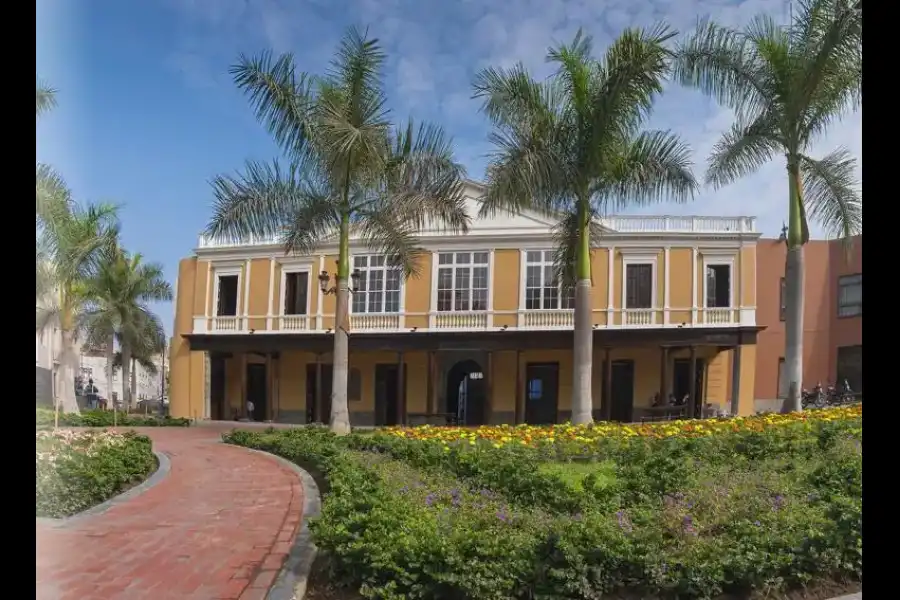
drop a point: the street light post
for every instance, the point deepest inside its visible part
(325, 279)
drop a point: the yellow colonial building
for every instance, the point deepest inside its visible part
(482, 335)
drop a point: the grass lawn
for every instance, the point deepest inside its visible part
(767, 506)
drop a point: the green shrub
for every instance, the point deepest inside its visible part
(105, 418)
(643, 518)
(78, 470)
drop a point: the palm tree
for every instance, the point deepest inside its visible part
(152, 345)
(349, 171)
(70, 241)
(46, 97)
(786, 86)
(572, 148)
(117, 309)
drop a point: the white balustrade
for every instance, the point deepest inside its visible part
(227, 324)
(460, 320)
(718, 316)
(547, 319)
(640, 317)
(294, 322)
(363, 322)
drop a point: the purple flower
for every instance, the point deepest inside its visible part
(624, 522)
(501, 514)
(757, 523)
(687, 525)
(777, 502)
(429, 500)
(577, 516)
(404, 489)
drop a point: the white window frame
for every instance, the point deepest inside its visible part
(713, 260)
(489, 265)
(841, 286)
(226, 270)
(641, 259)
(524, 281)
(401, 304)
(287, 269)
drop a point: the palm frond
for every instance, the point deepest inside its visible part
(423, 183)
(281, 98)
(831, 193)
(722, 63)
(743, 150)
(268, 200)
(386, 231)
(46, 98)
(654, 167)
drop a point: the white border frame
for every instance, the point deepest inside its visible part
(435, 269)
(641, 258)
(226, 269)
(282, 291)
(401, 309)
(523, 278)
(720, 259)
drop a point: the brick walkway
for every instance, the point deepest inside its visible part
(219, 526)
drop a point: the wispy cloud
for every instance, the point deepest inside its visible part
(435, 48)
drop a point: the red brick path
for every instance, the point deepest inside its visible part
(219, 526)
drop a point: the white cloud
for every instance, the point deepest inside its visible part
(435, 48)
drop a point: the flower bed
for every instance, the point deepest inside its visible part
(757, 505)
(78, 470)
(105, 418)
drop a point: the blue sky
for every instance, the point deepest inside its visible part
(148, 113)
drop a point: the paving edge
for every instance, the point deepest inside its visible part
(294, 575)
(856, 596)
(163, 466)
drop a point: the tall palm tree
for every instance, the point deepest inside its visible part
(348, 171)
(117, 309)
(572, 147)
(152, 344)
(786, 86)
(70, 241)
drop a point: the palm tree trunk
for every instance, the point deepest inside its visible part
(110, 365)
(582, 402)
(68, 364)
(126, 375)
(133, 380)
(794, 295)
(340, 411)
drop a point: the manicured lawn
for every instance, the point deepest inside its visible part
(105, 418)
(761, 506)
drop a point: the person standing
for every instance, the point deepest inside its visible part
(250, 409)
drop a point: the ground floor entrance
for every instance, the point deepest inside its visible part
(501, 379)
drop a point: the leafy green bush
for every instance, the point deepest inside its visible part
(78, 470)
(657, 518)
(105, 418)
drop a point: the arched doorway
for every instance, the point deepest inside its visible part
(466, 392)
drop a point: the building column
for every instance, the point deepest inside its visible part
(663, 374)
(276, 384)
(270, 386)
(606, 400)
(431, 384)
(401, 391)
(520, 396)
(489, 396)
(692, 385)
(317, 404)
(243, 409)
(736, 381)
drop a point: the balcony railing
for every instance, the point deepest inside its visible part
(532, 320)
(618, 224)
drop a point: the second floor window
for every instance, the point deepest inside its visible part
(638, 286)
(227, 304)
(296, 292)
(378, 289)
(850, 296)
(542, 289)
(718, 286)
(462, 281)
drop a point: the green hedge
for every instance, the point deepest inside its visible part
(78, 470)
(680, 518)
(105, 418)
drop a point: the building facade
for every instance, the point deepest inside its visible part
(482, 334)
(832, 317)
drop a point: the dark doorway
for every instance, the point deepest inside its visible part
(257, 391)
(541, 393)
(318, 412)
(217, 388)
(466, 393)
(228, 296)
(622, 390)
(681, 383)
(387, 394)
